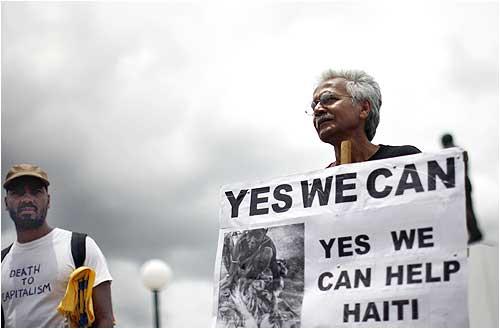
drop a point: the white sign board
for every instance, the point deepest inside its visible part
(372, 244)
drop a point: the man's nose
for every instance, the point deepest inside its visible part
(318, 108)
(27, 198)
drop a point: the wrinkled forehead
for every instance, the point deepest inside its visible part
(23, 181)
(336, 85)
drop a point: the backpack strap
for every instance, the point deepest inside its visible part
(78, 249)
(5, 251)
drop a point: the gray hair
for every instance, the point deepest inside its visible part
(361, 87)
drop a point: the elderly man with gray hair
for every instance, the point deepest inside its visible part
(346, 107)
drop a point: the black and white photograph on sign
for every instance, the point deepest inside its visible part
(262, 277)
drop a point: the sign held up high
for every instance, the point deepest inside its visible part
(378, 243)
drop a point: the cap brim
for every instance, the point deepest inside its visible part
(15, 176)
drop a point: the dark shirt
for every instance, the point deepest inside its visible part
(388, 151)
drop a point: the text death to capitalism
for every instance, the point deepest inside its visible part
(410, 179)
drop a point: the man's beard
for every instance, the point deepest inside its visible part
(26, 224)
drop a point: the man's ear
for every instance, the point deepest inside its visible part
(48, 201)
(6, 206)
(365, 109)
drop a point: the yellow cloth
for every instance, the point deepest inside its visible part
(76, 304)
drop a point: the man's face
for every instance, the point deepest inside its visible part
(335, 118)
(256, 239)
(27, 201)
(253, 243)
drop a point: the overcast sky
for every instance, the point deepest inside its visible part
(140, 112)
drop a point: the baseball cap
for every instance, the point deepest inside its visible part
(25, 169)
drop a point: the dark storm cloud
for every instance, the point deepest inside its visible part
(91, 136)
(138, 218)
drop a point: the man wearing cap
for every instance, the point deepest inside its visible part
(37, 267)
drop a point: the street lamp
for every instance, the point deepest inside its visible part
(155, 275)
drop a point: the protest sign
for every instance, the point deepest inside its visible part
(373, 244)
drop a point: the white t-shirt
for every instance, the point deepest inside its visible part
(35, 276)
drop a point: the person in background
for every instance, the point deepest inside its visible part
(37, 266)
(475, 234)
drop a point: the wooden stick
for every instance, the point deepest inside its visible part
(345, 152)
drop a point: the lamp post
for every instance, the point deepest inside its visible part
(155, 275)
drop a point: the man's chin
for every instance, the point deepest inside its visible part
(325, 137)
(27, 224)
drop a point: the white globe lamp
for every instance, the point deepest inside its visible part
(155, 275)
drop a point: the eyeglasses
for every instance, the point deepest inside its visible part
(326, 98)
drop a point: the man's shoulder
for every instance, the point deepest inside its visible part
(390, 151)
(61, 232)
(402, 149)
